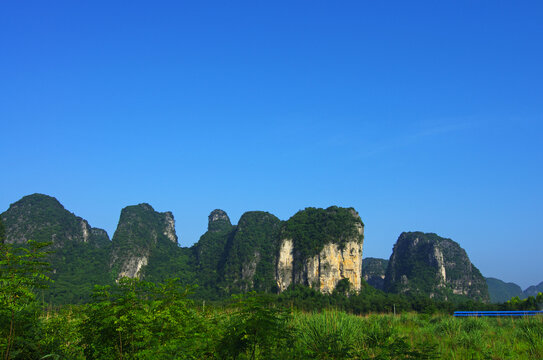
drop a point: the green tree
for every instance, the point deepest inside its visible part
(22, 271)
(256, 329)
(143, 320)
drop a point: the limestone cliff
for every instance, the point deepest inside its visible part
(140, 232)
(320, 247)
(433, 266)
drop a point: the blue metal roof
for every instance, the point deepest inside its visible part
(497, 313)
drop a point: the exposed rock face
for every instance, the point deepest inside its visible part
(218, 220)
(140, 232)
(373, 272)
(285, 265)
(434, 266)
(338, 235)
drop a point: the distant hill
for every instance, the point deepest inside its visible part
(501, 291)
(533, 290)
(373, 272)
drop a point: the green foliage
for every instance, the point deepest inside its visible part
(141, 320)
(531, 331)
(312, 228)
(530, 303)
(336, 335)
(22, 271)
(255, 329)
(78, 267)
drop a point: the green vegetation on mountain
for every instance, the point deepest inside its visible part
(425, 263)
(251, 253)
(228, 258)
(501, 291)
(2, 231)
(22, 272)
(312, 228)
(533, 290)
(209, 253)
(78, 254)
(145, 244)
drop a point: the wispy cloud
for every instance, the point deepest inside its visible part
(417, 135)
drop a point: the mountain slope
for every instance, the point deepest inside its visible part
(533, 290)
(251, 253)
(145, 245)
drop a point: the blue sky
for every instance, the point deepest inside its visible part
(422, 115)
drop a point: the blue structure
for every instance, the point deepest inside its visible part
(496, 313)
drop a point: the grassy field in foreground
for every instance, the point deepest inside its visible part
(255, 332)
(335, 335)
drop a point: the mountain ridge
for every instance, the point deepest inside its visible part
(317, 247)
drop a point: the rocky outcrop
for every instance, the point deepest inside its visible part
(373, 272)
(218, 220)
(140, 232)
(43, 218)
(433, 266)
(285, 265)
(321, 247)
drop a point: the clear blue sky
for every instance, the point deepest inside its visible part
(422, 115)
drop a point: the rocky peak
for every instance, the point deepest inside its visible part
(43, 218)
(218, 220)
(79, 252)
(169, 228)
(140, 231)
(427, 264)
